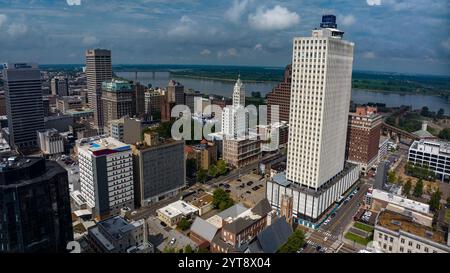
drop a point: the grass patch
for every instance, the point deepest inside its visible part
(363, 227)
(357, 239)
(447, 215)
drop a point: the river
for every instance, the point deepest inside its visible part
(225, 88)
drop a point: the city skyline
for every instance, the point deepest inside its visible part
(247, 32)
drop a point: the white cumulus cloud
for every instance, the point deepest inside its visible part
(205, 52)
(89, 40)
(373, 2)
(258, 47)
(73, 2)
(277, 18)
(184, 28)
(348, 20)
(237, 9)
(232, 52)
(17, 29)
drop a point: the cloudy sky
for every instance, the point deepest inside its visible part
(411, 36)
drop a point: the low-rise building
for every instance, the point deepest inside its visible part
(272, 238)
(117, 235)
(204, 154)
(238, 232)
(174, 212)
(435, 155)
(382, 148)
(241, 152)
(399, 233)
(203, 201)
(202, 232)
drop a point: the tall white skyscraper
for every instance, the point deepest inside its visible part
(316, 172)
(320, 98)
(235, 123)
(239, 93)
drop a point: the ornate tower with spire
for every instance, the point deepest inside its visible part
(239, 93)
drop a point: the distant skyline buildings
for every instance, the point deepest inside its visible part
(232, 37)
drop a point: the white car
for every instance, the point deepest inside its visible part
(173, 241)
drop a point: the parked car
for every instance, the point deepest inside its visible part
(227, 186)
(173, 241)
(249, 192)
(227, 191)
(163, 224)
(249, 183)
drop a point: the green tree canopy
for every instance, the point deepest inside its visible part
(391, 177)
(201, 176)
(222, 200)
(221, 166)
(445, 134)
(294, 242)
(435, 200)
(188, 249)
(418, 189)
(213, 171)
(407, 187)
(184, 224)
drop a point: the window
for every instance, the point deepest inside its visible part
(410, 243)
(401, 249)
(402, 241)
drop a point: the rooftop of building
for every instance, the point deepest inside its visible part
(248, 217)
(204, 229)
(395, 221)
(102, 143)
(117, 227)
(177, 208)
(201, 199)
(117, 85)
(401, 201)
(280, 178)
(443, 146)
(272, 237)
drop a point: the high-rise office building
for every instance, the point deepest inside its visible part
(117, 100)
(60, 86)
(24, 105)
(281, 96)
(35, 206)
(139, 91)
(175, 92)
(98, 70)
(320, 99)
(106, 175)
(363, 137)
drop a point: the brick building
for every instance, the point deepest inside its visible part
(281, 96)
(363, 137)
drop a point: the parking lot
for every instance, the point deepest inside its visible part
(162, 236)
(249, 189)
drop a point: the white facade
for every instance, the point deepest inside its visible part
(320, 98)
(235, 118)
(50, 142)
(434, 154)
(307, 203)
(106, 174)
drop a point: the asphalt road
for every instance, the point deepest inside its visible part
(329, 236)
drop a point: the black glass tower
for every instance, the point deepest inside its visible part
(35, 211)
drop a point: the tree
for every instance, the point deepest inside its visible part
(448, 201)
(222, 200)
(391, 177)
(201, 176)
(188, 249)
(445, 134)
(202, 250)
(184, 224)
(418, 189)
(294, 242)
(400, 181)
(425, 111)
(435, 200)
(440, 113)
(221, 166)
(407, 187)
(191, 167)
(168, 249)
(213, 171)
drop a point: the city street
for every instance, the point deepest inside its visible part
(328, 236)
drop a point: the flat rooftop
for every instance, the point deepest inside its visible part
(100, 143)
(177, 208)
(395, 221)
